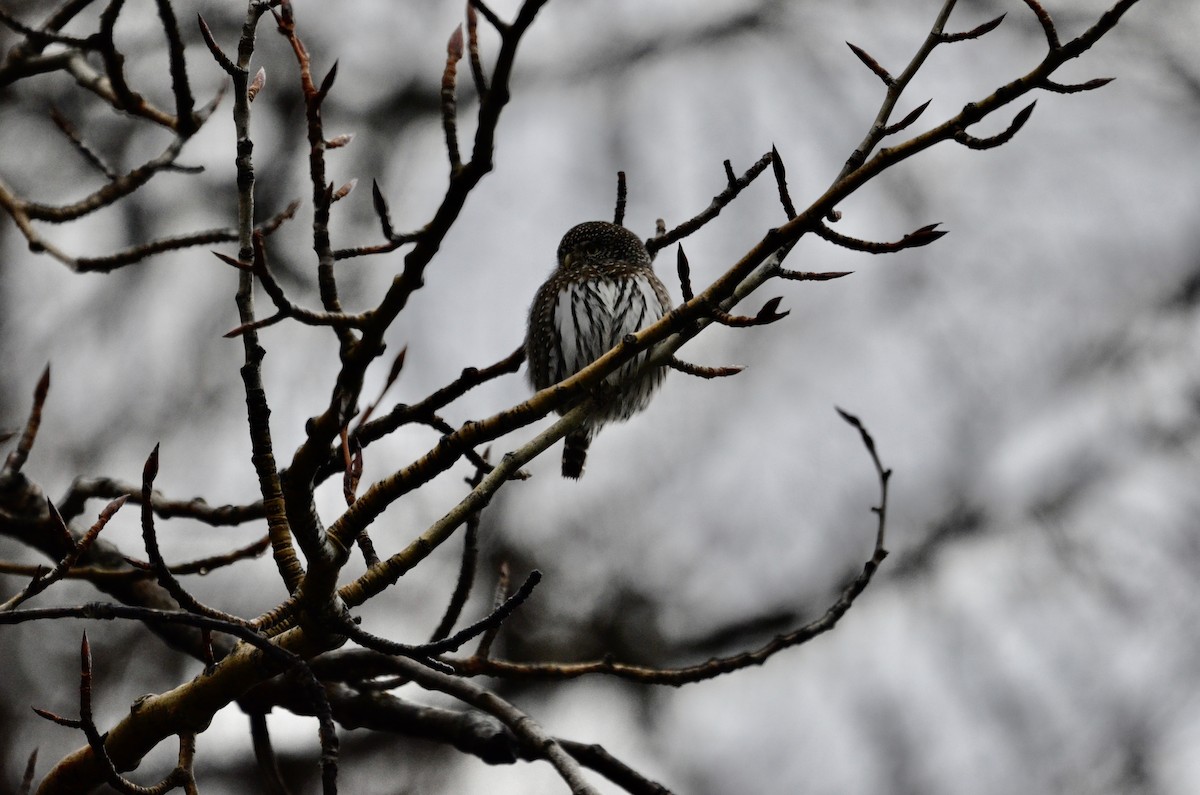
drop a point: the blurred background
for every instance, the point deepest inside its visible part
(1033, 379)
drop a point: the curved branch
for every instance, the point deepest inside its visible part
(676, 677)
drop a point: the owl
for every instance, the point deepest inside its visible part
(602, 289)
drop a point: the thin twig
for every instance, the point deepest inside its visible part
(500, 25)
(286, 308)
(684, 269)
(470, 378)
(531, 734)
(719, 202)
(466, 569)
(201, 566)
(74, 501)
(184, 104)
(499, 596)
(323, 194)
(258, 410)
(595, 757)
(96, 740)
(476, 62)
(780, 170)
(973, 33)
(454, 54)
(971, 142)
(768, 314)
(73, 135)
(268, 765)
(422, 652)
(921, 237)
(165, 578)
(704, 372)
(622, 191)
(20, 454)
(42, 581)
(27, 779)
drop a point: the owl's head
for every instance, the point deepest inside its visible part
(599, 243)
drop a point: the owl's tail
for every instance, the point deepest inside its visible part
(575, 453)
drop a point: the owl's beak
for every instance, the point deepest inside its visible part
(568, 259)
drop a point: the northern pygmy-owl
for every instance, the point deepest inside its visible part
(603, 289)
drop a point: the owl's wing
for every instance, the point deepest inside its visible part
(540, 344)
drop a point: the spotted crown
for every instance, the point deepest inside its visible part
(600, 240)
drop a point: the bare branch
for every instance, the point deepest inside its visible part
(454, 53)
(264, 755)
(971, 142)
(256, 325)
(96, 739)
(43, 581)
(894, 89)
(17, 458)
(481, 87)
(392, 376)
(500, 25)
(218, 54)
(323, 194)
(1075, 88)
(767, 314)
(70, 723)
(165, 578)
(138, 253)
(27, 779)
(187, 123)
(138, 732)
(44, 37)
(470, 378)
(499, 596)
(466, 570)
(381, 209)
(921, 237)
(684, 268)
(704, 372)
(873, 65)
(204, 565)
(90, 155)
(1043, 18)
(719, 202)
(780, 170)
(423, 652)
(521, 724)
(352, 453)
(286, 308)
(907, 121)
(730, 176)
(258, 410)
(116, 189)
(594, 757)
(114, 60)
(619, 212)
(326, 85)
(884, 476)
(973, 33)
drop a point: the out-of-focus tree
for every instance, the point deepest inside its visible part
(301, 643)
